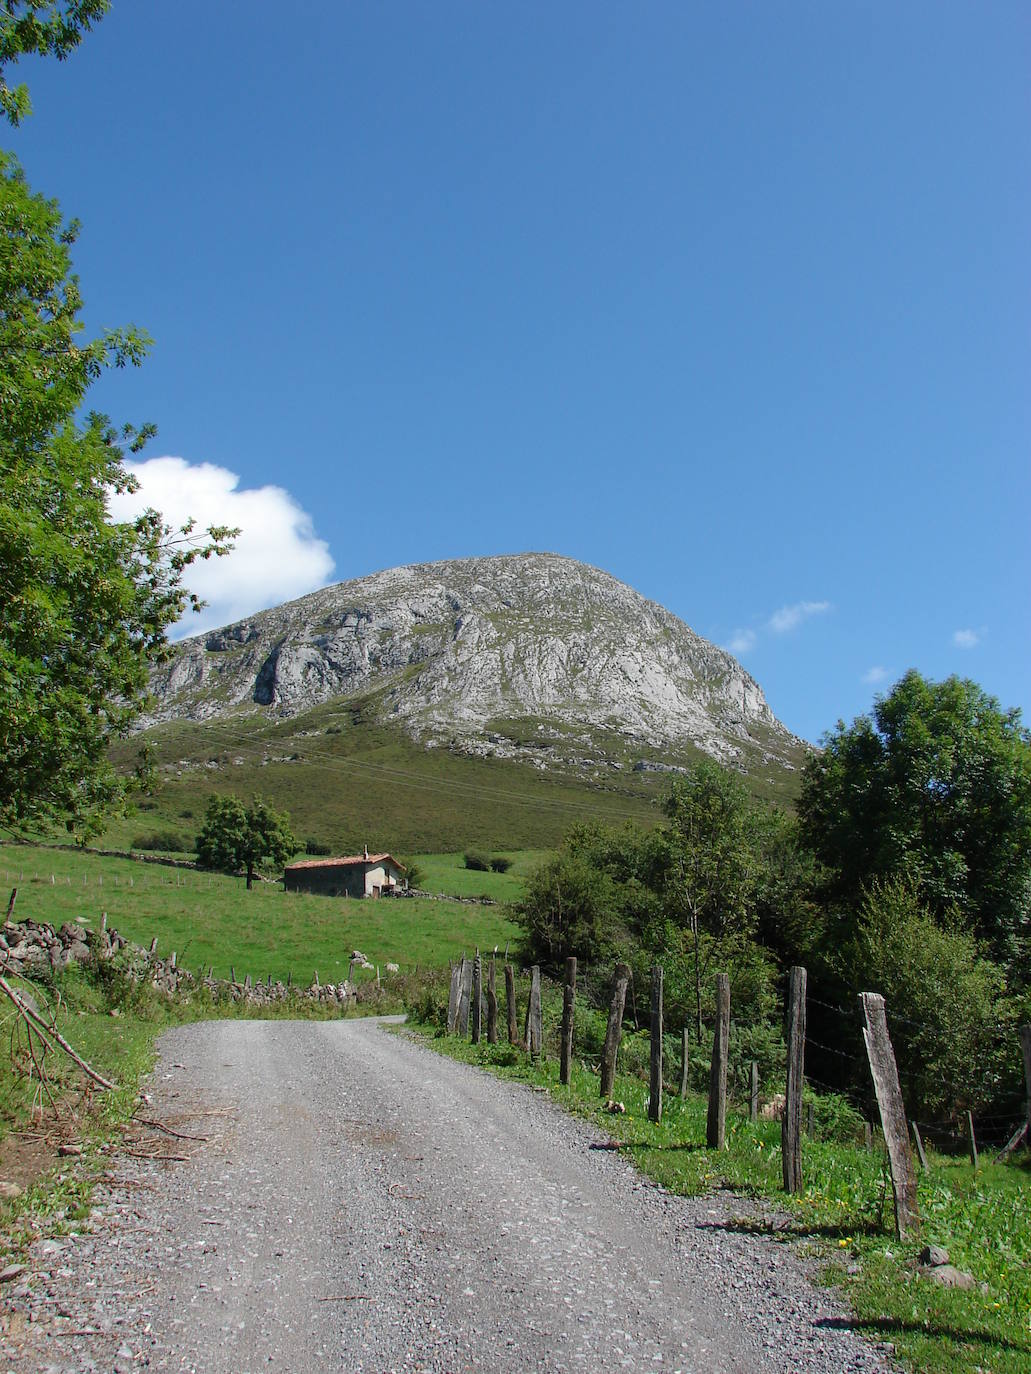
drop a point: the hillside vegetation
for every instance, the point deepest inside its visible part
(347, 780)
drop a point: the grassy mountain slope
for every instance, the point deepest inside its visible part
(347, 777)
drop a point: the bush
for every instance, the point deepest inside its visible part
(162, 840)
(316, 847)
(499, 864)
(477, 860)
(944, 1001)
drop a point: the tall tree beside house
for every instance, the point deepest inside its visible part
(249, 837)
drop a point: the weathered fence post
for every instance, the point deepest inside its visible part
(477, 994)
(452, 998)
(655, 1078)
(753, 1092)
(492, 1001)
(534, 1025)
(568, 1002)
(685, 1061)
(1025, 1045)
(791, 1122)
(885, 1073)
(510, 1005)
(614, 1029)
(465, 997)
(971, 1139)
(716, 1125)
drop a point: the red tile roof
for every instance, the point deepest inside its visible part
(349, 861)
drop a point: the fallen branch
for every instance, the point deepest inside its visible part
(34, 1019)
(159, 1126)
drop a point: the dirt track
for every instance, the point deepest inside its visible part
(362, 1203)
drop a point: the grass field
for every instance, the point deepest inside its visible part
(982, 1218)
(210, 919)
(447, 873)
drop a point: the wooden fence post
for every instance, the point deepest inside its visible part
(685, 1061)
(534, 1027)
(510, 1005)
(791, 1122)
(613, 1030)
(1025, 1045)
(477, 994)
(716, 1126)
(465, 997)
(753, 1092)
(452, 998)
(885, 1074)
(568, 1002)
(655, 1078)
(971, 1139)
(492, 1001)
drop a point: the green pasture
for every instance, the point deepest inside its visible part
(211, 919)
(447, 873)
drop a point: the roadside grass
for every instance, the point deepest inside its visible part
(212, 920)
(843, 1216)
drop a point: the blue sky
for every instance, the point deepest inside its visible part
(731, 301)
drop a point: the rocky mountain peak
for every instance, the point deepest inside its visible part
(457, 651)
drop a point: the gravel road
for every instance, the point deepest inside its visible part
(362, 1203)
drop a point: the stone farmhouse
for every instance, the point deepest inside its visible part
(356, 875)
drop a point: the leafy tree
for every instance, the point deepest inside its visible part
(935, 787)
(47, 29)
(86, 602)
(566, 909)
(944, 1000)
(251, 837)
(712, 873)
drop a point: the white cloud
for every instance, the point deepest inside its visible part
(277, 555)
(741, 641)
(967, 639)
(875, 675)
(789, 617)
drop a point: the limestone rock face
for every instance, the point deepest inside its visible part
(454, 648)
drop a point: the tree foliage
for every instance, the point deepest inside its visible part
(945, 1000)
(48, 29)
(934, 787)
(250, 837)
(86, 602)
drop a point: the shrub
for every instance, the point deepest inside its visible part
(316, 847)
(161, 840)
(499, 864)
(477, 860)
(944, 1000)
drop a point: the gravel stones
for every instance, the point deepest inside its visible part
(363, 1203)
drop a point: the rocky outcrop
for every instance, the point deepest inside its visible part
(458, 651)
